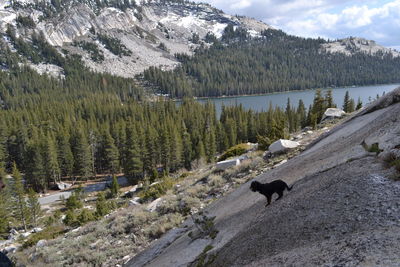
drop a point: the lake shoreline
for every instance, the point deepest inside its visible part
(279, 99)
(202, 98)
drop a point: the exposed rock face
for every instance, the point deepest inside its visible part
(349, 46)
(141, 27)
(343, 209)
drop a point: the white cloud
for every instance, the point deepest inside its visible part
(240, 4)
(371, 19)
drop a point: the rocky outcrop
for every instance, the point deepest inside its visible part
(351, 45)
(342, 211)
(141, 27)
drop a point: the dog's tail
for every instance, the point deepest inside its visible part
(289, 188)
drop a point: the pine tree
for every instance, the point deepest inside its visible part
(346, 102)
(289, 116)
(329, 100)
(352, 105)
(18, 199)
(34, 168)
(51, 166)
(3, 141)
(65, 156)
(82, 155)
(4, 205)
(176, 148)
(318, 108)
(359, 104)
(34, 207)
(111, 154)
(102, 207)
(210, 144)
(133, 167)
(301, 111)
(114, 186)
(187, 150)
(164, 141)
(151, 156)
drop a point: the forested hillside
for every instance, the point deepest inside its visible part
(239, 64)
(85, 123)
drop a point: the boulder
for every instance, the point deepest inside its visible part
(10, 249)
(332, 113)
(41, 243)
(63, 186)
(133, 203)
(153, 205)
(282, 146)
(37, 230)
(267, 155)
(223, 165)
(25, 235)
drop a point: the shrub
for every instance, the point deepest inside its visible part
(263, 142)
(234, 151)
(215, 180)
(85, 216)
(25, 22)
(157, 190)
(47, 234)
(205, 225)
(114, 187)
(73, 202)
(95, 53)
(188, 204)
(198, 190)
(114, 45)
(102, 207)
(165, 223)
(170, 205)
(163, 47)
(392, 160)
(71, 219)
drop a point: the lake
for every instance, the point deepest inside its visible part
(261, 102)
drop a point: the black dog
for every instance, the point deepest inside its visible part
(268, 189)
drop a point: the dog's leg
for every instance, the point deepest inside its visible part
(269, 200)
(280, 193)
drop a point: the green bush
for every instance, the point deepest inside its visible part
(114, 187)
(71, 219)
(48, 233)
(114, 45)
(73, 202)
(263, 142)
(102, 207)
(95, 53)
(86, 216)
(234, 151)
(25, 22)
(157, 190)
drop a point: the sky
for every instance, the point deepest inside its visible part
(329, 19)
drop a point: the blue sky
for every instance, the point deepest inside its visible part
(330, 19)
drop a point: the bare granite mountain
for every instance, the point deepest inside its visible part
(150, 31)
(343, 209)
(125, 37)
